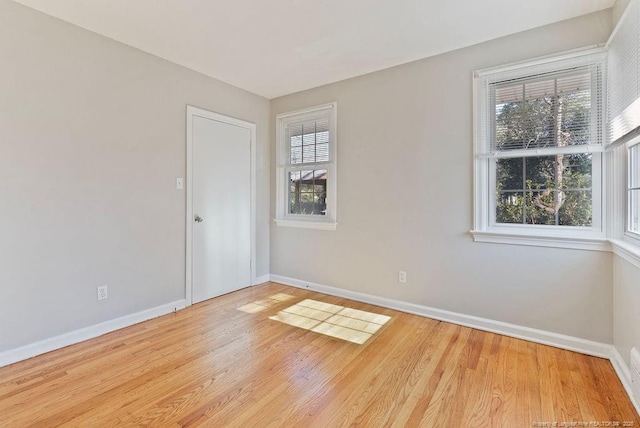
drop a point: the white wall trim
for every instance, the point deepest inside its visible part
(305, 224)
(307, 110)
(24, 352)
(624, 373)
(191, 113)
(543, 60)
(570, 242)
(570, 343)
(261, 279)
(626, 251)
(561, 341)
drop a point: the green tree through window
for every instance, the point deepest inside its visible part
(552, 189)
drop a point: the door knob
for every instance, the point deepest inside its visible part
(198, 219)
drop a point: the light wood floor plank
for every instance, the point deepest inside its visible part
(215, 365)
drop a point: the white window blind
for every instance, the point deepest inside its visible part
(552, 107)
(552, 110)
(308, 141)
(624, 76)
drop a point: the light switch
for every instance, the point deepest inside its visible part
(179, 183)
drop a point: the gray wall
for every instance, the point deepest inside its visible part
(618, 9)
(405, 198)
(626, 280)
(626, 307)
(92, 138)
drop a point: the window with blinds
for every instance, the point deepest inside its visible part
(306, 166)
(309, 141)
(551, 110)
(539, 136)
(624, 77)
(623, 92)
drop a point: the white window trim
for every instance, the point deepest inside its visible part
(485, 229)
(630, 236)
(283, 218)
(626, 251)
(623, 244)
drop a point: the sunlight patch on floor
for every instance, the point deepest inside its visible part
(348, 324)
(262, 304)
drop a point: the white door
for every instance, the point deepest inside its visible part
(221, 192)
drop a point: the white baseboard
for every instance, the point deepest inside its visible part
(262, 279)
(570, 343)
(14, 355)
(561, 341)
(624, 373)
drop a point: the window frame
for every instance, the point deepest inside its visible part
(631, 235)
(485, 228)
(328, 221)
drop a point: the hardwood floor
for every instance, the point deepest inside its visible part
(215, 365)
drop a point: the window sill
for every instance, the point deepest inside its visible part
(538, 240)
(305, 224)
(626, 250)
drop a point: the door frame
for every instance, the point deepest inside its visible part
(206, 114)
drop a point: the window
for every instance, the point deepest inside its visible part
(539, 143)
(624, 124)
(306, 180)
(633, 190)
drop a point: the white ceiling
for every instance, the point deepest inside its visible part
(277, 47)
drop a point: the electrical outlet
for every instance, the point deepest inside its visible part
(102, 292)
(402, 277)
